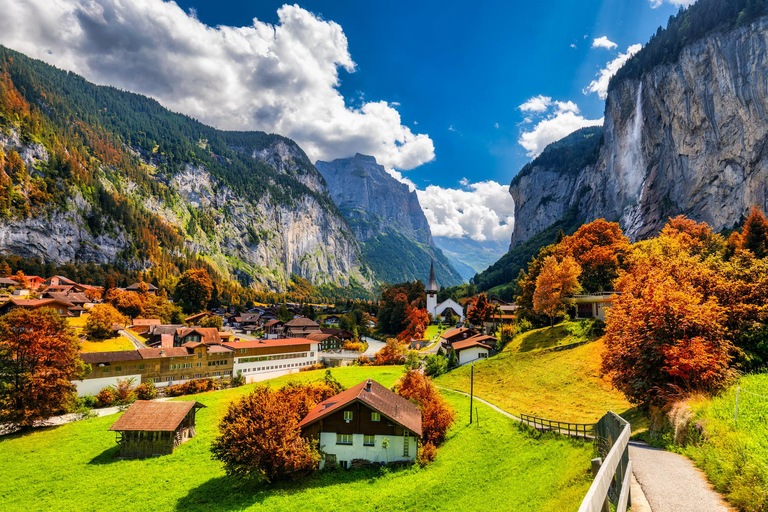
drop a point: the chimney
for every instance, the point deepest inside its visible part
(368, 385)
(162, 352)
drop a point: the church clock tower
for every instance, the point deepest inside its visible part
(432, 291)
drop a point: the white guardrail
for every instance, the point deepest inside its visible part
(612, 434)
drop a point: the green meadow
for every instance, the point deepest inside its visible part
(490, 465)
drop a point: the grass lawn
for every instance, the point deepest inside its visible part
(493, 466)
(561, 385)
(110, 345)
(431, 331)
(735, 454)
(78, 322)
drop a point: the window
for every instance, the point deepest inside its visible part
(344, 439)
(347, 415)
(369, 440)
(406, 444)
(141, 367)
(106, 370)
(375, 416)
(199, 354)
(118, 368)
(343, 464)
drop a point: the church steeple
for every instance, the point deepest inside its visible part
(432, 284)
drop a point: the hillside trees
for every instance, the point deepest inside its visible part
(418, 321)
(479, 310)
(101, 320)
(436, 415)
(194, 290)
(38, 361)
(394, 352)
(395, 303)
(555, 283)
(598, 248)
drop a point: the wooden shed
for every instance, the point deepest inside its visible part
(149, 428)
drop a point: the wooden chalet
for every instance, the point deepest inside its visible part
(149, 429)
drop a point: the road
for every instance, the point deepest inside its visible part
(135, 338)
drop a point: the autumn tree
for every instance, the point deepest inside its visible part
(418, 321)
(436, 414)
(755, 233)
(259, 437)
(101, 319)
(394, 305)
(394, 352)
(556, 282)
(194, 290)
(38, 362)
(479, 310)
(5, 269)
(598, 248)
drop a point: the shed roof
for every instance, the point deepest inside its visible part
(301, 321)
(454, 332)
(377, 397)
(154, 416)
(480, 340)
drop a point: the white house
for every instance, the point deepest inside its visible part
(473, 349)
(433, 307)
(354, 424)
(593, 305)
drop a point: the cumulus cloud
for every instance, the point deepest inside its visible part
(481, 211)
(555, 120)
(538, 103)
(600, 84)
(604, 42)
(280, 78)
(679, 3)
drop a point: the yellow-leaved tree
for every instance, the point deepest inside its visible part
(555, 283)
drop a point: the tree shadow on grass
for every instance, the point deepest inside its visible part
(108, 456)
(231, 493)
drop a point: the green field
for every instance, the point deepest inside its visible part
(562, 385)
(491, 466)
(735, 454)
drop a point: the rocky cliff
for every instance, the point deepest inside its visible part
(686, 137)
(387, 219)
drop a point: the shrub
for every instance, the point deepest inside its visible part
(355, 346)
(363, 361)
(436, 365)
(87, 402)
(506, 333)
(436, 415)
(146, 391)
(124, 391)
(316, 366)
(212, 321)
(523, 325)
(101, 319)
(106, 397)
(259, 437)
(191, 387)
(393, 352)
(427, 454)
(412, 361)
(238, 380)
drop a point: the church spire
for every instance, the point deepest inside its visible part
(432, 285)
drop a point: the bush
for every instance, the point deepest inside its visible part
(191, 387)
(363, 361)
(238, 380)
(436, 366)
(506, 333)
(427, 454)
(354, 346)
(394, 352)
(87, 402)
(587, 329)
(412, 361)
(316, 366)
(106, 397)
(146, 391)
(523, 325)
(436, 415)
(124, 392)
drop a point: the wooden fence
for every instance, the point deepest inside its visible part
(583, 430)
(612, 481)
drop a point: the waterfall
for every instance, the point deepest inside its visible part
(633, 163)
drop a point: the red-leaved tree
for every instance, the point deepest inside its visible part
(418, 321)
(436, 415)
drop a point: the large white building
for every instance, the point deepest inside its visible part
(435, 309)
(266, 359)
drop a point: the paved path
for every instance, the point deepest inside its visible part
(500, 411)
(373, 346)
(135, 339)
(671, 482)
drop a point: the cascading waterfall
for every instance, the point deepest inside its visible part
(634, 162)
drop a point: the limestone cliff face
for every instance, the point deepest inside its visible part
(387, 219)
(687, 138)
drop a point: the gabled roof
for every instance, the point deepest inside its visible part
(38, 303)
(375, 396)
(154, 353)
(319, 336)
(447, 335)
(154, 416)
(340, 333)
(196, 317)
(207, 334)
(74, 298)
(273, 322)
(135, 286)
(301, 322)
(4, 281)
(110, 357)
(147, 321)
(480, 340)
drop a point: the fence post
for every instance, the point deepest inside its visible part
(596, 464)
(736, 412)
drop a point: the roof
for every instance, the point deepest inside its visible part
(74, 298)
(301, 322)
(147, 321)
(268, 343)
(207, 334)
(8, 282)
(38, 303)
(319, 336)
(455, 332)
(249, 317)
(159, 330)
(110, 357)
(341, 333)
(135, 286)
(153, 353)
(62, 279)
(432, 284)
(375, 396)
(474, 341)
(154, 416)
(198, 316)
(272, 322)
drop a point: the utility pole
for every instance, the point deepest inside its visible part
(736, 412)
(471, 389)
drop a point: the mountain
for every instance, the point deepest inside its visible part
(685, 132)
(387, 219)
(95, 174)
(470, 256)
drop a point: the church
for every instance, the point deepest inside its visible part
(435, 309)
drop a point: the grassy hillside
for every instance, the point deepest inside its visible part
(72, 467)
(529, 377)
(735, 453)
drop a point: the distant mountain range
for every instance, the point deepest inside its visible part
(387, 220)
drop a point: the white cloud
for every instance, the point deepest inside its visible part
(603, 42)
(280, 78)
(573, 45)
(482, 211)
(679, 3)
(538, 103)
(553, 128)
(600, 84)
(464, 182)
(495, 125)
(452, 129)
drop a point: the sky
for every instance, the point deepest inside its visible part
(451, 97)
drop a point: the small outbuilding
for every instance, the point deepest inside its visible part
(149, 429)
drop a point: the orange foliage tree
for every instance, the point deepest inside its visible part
(754, 236)
(479, 310)
(598, 248)
(194, 290)
(418, 320)
(101, 320)
(38, 361)
(436, 415)
(556, 281)
(393, 352)
(259, 437)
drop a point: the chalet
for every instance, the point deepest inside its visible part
(248, 322)
(327, 341)
(34, 282)
(474, 348)
(208, 335)
(136, 287)
(274, 328)
(352, 425)
(451, 336)
(149, 428)
(59, 281)
(144, 325)
(342, 334)
(593, 305)
(331, 320)
(264, 359)
(163, 334)
(61, 307)
(196, 319)
(7, 283)
(76, 298)
(301, 326)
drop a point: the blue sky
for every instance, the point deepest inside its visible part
(452, 97)
(450, 66)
